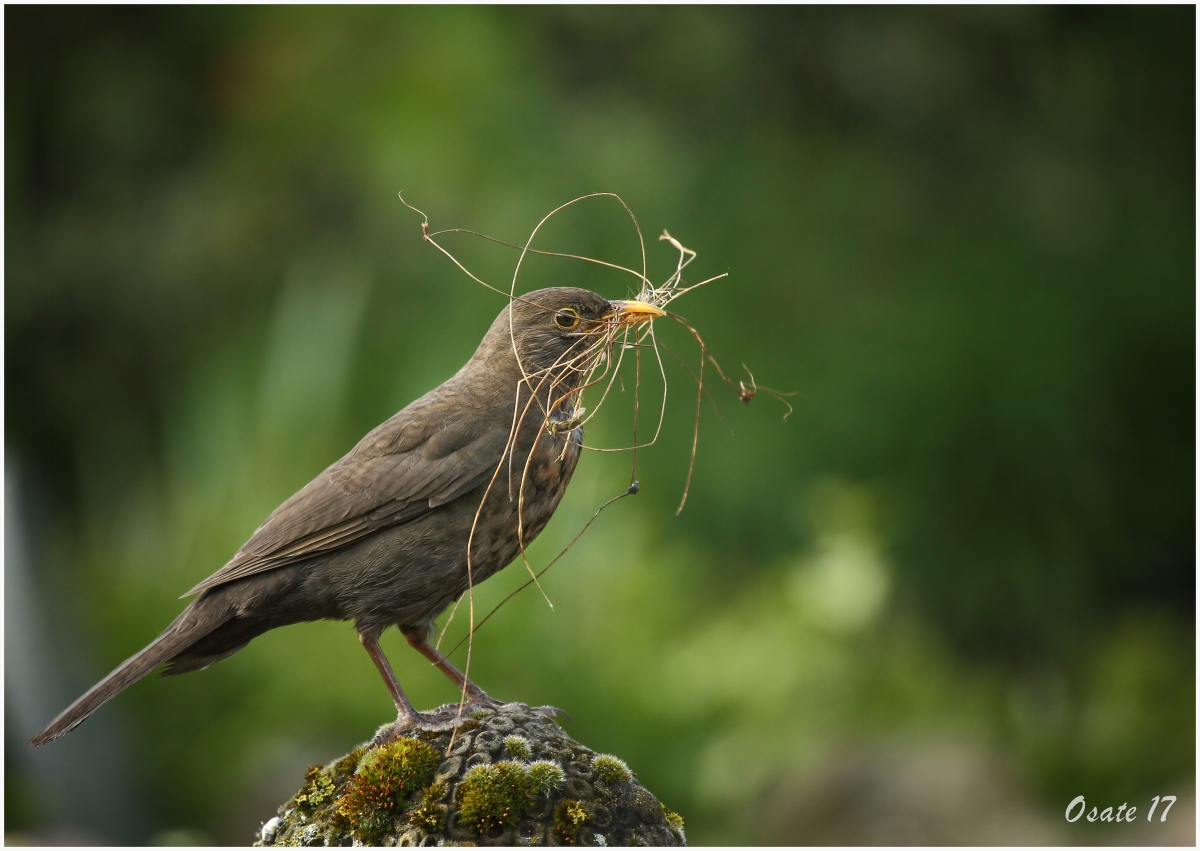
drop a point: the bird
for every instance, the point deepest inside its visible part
(439, 497)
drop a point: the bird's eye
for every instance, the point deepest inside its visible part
(566, 319)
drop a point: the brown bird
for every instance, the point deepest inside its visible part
(443, 494)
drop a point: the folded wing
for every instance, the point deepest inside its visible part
(403, 469)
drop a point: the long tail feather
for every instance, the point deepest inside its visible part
(191, 625)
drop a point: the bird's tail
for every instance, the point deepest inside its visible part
(196, 621)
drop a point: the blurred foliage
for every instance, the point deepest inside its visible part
(965, 235)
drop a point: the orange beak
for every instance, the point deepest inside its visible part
(634, 312)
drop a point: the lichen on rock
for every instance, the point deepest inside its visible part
(506, 777)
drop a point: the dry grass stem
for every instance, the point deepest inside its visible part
(560, 389)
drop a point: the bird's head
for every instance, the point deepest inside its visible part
(559, 329)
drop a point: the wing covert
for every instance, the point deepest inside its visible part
(395, 474)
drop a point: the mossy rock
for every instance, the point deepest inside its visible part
(510, 777)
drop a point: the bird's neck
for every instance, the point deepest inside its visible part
(494, 373)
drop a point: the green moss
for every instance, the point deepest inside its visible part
(345, 766)
(610, 769)
(430, 816)
(517, 746)
(434, 792)
(384, 776)
(494, 795)
(409, 762)
(545, 776)
(569, 816)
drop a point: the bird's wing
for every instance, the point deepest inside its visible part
(406, 467)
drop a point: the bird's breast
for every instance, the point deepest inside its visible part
(409, 573)
(527, 492)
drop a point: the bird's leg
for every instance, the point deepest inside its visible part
(406, 716)
(419, 641)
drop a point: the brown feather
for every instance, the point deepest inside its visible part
(363, 492)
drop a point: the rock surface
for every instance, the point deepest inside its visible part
(510, 777)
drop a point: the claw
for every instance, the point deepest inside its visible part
(551, 712)
(483, 701)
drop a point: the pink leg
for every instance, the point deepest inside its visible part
(475, 695)
(405, 714)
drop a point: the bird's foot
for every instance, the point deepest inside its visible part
(435, 722)
(491, 705)
(483, 701)
(450, 716)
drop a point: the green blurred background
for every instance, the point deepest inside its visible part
(953, 591)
